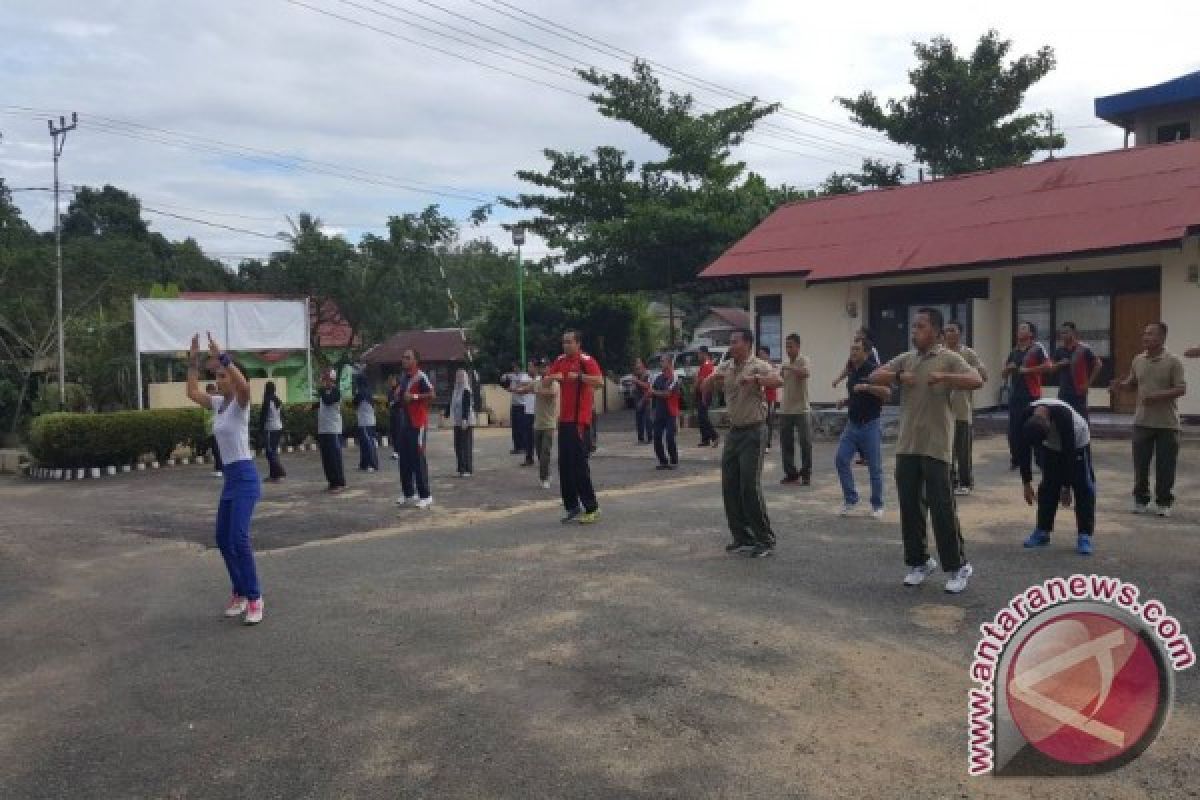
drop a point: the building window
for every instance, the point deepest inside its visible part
(768, 315)
(1092, 315)
(1039, 311)
(1175, 132)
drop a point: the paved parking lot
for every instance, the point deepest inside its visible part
(481, 649)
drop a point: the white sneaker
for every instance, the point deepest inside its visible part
(236, 607)
(962, 491)
(254, 612)
(958, 581)
(1140, 508)
(1163, 511)
(876, 513)
(405, 501)
(370, 469)
(466, 475)
(917, 575)
(545, 484)
(425, 502)
(218, 474)
(847, 510)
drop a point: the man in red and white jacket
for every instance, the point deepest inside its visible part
(413, 394)
(579, 375)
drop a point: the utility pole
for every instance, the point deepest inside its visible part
(58, 137)
(1050, 130)
(518, 235)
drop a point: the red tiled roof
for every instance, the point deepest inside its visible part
(333, 329)
(1125, 198)
(439, 344)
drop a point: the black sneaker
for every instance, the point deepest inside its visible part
(733, 547)
(762, 551)
(662, 466)
(572, 516)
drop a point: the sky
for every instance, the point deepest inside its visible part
(238, 113)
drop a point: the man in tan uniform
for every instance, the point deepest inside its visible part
(794, 420)
(745, 379)
(962, 476)
(1158, 377)
(928, 375)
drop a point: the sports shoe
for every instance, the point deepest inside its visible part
(1083, 544)
(371, 469)
(662, 466)
(733, 547)
(395, 456)
(790, 479)
(425, 502)
(703, 444)
(572, 515)
(527, 463)
(236, 607)
(962, 491)
(1039, 538)
(545, 484)
(466, 475)
(847, 510)
(958, 581)
(1141, 508)
(876, 513)
(917, 575)
(406, 501)
(762, 551)
(254, 612)
(589, 517)
(1163, 511)
(218, 474)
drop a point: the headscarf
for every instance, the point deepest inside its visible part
(461, 383)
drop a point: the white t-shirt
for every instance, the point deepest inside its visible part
(1083, 435)
(274, 418)
(528, 401)
(232, 430)
(365, 414)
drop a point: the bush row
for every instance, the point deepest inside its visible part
(67, 440)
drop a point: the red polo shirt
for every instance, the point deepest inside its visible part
(576, 401)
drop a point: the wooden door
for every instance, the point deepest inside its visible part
(1131, 314)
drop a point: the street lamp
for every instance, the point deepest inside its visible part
(518, 236)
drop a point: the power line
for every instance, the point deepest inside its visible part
(211, 224)
(598, 45)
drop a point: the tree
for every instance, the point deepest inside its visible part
(875, 174)
(962, 115)
(652, 226)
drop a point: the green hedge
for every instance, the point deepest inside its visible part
(113, 439)
(63, 440)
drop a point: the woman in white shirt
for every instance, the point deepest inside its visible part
(271, 421)
(242, 489)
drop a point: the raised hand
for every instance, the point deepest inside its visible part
(213, 348)
(195, 349)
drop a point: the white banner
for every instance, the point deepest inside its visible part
(167, 325)
(267, 325)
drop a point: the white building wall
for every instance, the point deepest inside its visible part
(819, 314)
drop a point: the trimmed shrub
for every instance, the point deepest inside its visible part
(122, 437)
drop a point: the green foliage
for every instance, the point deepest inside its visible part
(653, 226)
(615, 327)
(962, 115)
(875, 174)
(67, 440)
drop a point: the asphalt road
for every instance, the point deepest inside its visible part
(481, 649)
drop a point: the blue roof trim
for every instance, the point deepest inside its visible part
(1118, 107)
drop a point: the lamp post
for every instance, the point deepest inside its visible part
(518, 236)
(59, 137)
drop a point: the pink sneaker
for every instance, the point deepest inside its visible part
(254, 612)
(236, 607)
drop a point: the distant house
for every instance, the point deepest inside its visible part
(335, 337)
(1109, 241)
(441, 350)
(717, 325)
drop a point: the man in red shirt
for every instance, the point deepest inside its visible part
(413, 394)
(579, 375)
(708, 434)
(771, 396)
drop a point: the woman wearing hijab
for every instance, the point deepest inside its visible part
(241, 490)
(461, 413)
(364, 409)
(329, 431)
(271, 425)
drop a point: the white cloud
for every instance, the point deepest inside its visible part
(271, 75)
